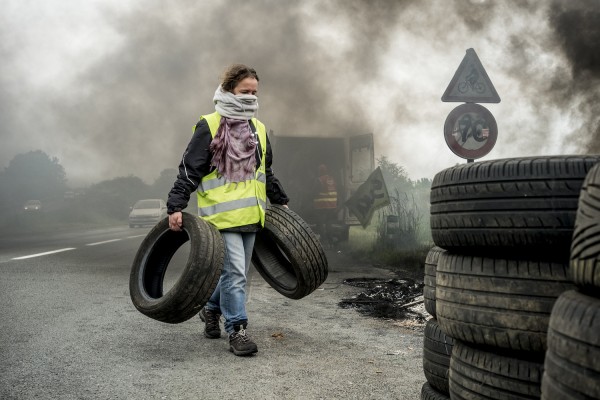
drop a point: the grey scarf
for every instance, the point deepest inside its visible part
(229, 105)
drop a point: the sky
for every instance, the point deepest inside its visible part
(113, 87)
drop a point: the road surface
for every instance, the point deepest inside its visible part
(68, 330)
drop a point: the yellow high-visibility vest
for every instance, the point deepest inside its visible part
(227, 205)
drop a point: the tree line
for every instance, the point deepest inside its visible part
(37, 176)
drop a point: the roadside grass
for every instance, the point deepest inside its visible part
(363, 244)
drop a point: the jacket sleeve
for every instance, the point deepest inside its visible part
(194, 165)
(275, 191)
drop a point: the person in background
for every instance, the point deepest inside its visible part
(325, 204)
(228, 162)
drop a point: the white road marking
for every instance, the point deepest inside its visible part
(106, 241)
(43, 254)
(113, 240)
(72, 248)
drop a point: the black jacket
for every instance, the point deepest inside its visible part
(195, 164)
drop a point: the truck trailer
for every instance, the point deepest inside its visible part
(296, 161)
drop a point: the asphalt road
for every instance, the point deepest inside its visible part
(68, 330)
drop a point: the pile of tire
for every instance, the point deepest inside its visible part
(502, 230)
(572, 363)
(437, 345)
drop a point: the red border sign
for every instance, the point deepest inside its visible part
(470, 131)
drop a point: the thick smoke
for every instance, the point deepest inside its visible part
(339, 67)
(140, 102)
(577, 30)
(9, 98)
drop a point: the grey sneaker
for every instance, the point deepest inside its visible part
(211, 320)
(240, 343)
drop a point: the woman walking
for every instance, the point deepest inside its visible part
(228, 162)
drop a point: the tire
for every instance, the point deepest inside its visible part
(585, 247)
(572, 364)
(288, 255)
(197, 281)
(429, 393)
(477, 373)
(429, 279)
(503, 303)
(514, 207)
(437, 348)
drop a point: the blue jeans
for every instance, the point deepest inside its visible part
(230, 295)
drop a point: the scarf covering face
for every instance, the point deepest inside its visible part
(229, 105)
(234, 144)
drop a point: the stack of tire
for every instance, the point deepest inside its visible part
(505, 227)
(437, 346)
(572, 364)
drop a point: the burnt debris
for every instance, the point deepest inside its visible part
(386, 298)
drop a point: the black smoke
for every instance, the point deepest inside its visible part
(577, 31)
(146, 95)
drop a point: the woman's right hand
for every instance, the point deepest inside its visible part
(176, 221)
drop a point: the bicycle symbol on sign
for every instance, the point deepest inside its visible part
(471, 82)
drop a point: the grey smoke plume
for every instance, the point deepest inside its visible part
(327, 68)
(577, 30)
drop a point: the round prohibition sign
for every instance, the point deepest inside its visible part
(470, 131)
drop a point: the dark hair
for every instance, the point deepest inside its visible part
(236, 73)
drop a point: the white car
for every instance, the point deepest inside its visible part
(147, 212)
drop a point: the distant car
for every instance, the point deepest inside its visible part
(32, 206)
(147, 212)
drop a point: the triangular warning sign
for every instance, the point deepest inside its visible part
(471, 84)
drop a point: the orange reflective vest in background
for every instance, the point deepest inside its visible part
(327, 196)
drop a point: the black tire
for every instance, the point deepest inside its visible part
(429, 393)
(197, 281)
(515, 206)
(288, 255)
(478, 373)
(437, 348)
(585, 247)
(429, 279)
(572, 364)
(498, 302)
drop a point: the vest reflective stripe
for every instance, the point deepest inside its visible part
(231, 205)
(327, 197)
(326, 202)
(221, 181)
(225, 204)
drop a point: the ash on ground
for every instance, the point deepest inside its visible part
(398, 299)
